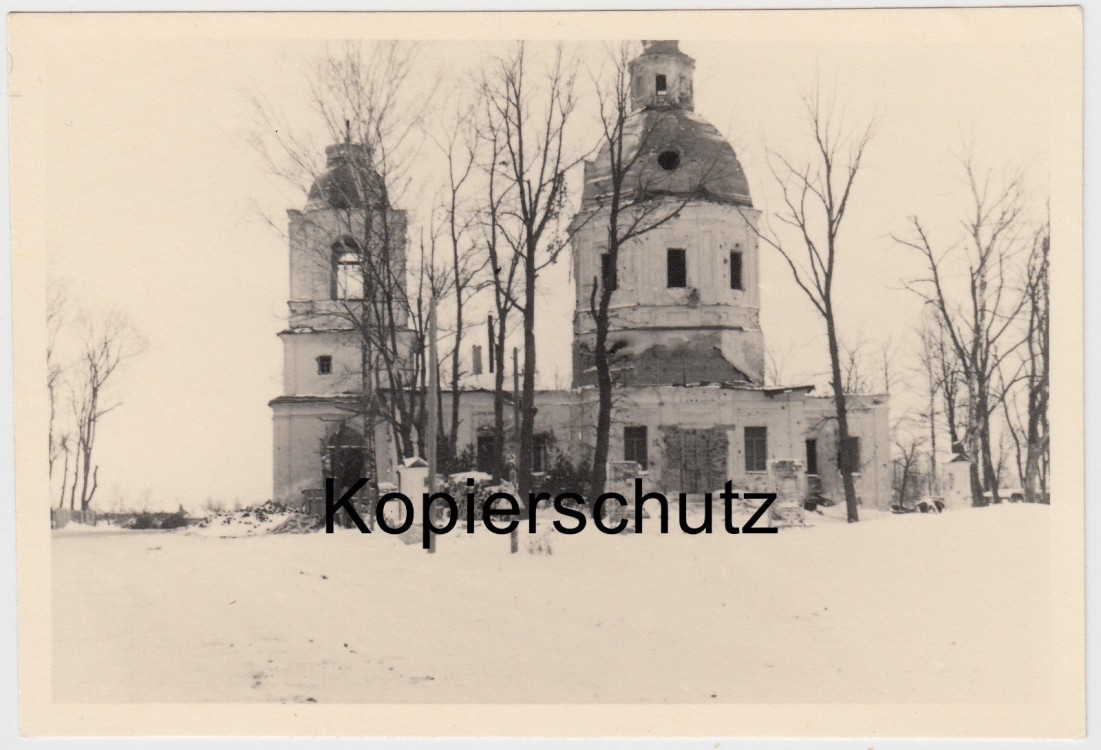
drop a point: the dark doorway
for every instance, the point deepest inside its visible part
(487, 452)
(345, 458)
(812, 457)
(695, 460)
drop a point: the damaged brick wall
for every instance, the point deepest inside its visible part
(681, 361)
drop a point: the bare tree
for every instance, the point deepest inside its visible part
(362, 97)
(66, 449)
(943, 376)
(907, 479)
(1038, 346)
(867, 368)
(56, 312)
(1030, 376)
(977, 321)
(504, 263)
(431, 279)
(369, 95)
(630, 205)
(856, 371)
(531, 115)
(105, 346)
(460, 150)
(934, 387)
(816, 199)
(776, 365)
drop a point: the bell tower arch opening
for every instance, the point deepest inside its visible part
(661, 76)
(346, 282)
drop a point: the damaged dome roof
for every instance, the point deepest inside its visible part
(349, 180)
(680, 154)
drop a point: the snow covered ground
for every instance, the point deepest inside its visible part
(914, 608)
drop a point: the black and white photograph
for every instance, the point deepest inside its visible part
(503, 374)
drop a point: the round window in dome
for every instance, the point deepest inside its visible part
(669, 160)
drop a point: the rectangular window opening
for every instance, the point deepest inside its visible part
(634, 445)
(539, 452)
(324, 365)
(812, 457)
(659, 83)
(756, 449)
(850, 455)
(676, 264)
(608, 275)
(736, 269)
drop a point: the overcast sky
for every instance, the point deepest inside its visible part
(153, 202)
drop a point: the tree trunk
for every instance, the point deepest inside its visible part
(64, 480)
(367, 408)
(72, 489)
(1034, 447)
(442, 440)
(527, 403)
(599, 469)
(950, 417)
(973, 436)
(85, 476)
(903, 482)
(86, 502)
(839, 404)
(934, 482)
(990, 474)
(499, 401)
(451, 447)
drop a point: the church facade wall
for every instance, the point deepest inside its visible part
(303, 372)
(690, 403)
(683, 428)
(868, 418)
(709, 328)
(303, 428)
(668, 413)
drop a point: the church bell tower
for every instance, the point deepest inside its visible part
(347, 251)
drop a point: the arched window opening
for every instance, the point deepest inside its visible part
(347, 270)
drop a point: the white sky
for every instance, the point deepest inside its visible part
(153, 202)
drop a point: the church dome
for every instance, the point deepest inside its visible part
(675, 152)
(679, 154)
(349, 180)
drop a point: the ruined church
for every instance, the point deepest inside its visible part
(692, 408)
